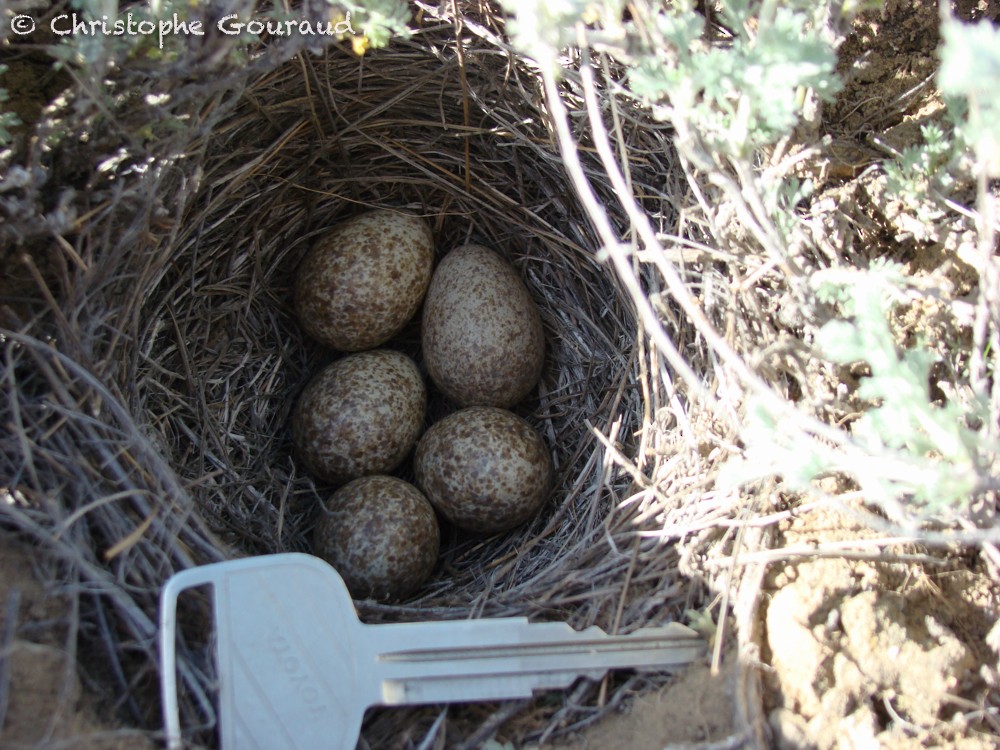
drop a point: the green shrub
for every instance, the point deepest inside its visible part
(916, 459)
(735, 93)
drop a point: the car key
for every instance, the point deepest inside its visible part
(297, 668)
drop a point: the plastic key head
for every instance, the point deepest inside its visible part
(287, 674)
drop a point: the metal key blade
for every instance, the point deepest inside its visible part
(297, 669)
(437, 662)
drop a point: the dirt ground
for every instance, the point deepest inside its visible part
(697, 707)
(858, 653)
(878, 653)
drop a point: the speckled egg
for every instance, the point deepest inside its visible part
(360, 284)
(482, 334)
(360, 415)
(381, 535)
(484, 469)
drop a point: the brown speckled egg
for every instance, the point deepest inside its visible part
(482, 333)
(360, 415)
(484, 469)
(381, 535)
(360, 284)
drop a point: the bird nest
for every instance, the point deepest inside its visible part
(150, 397)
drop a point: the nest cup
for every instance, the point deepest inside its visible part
(183, 343)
